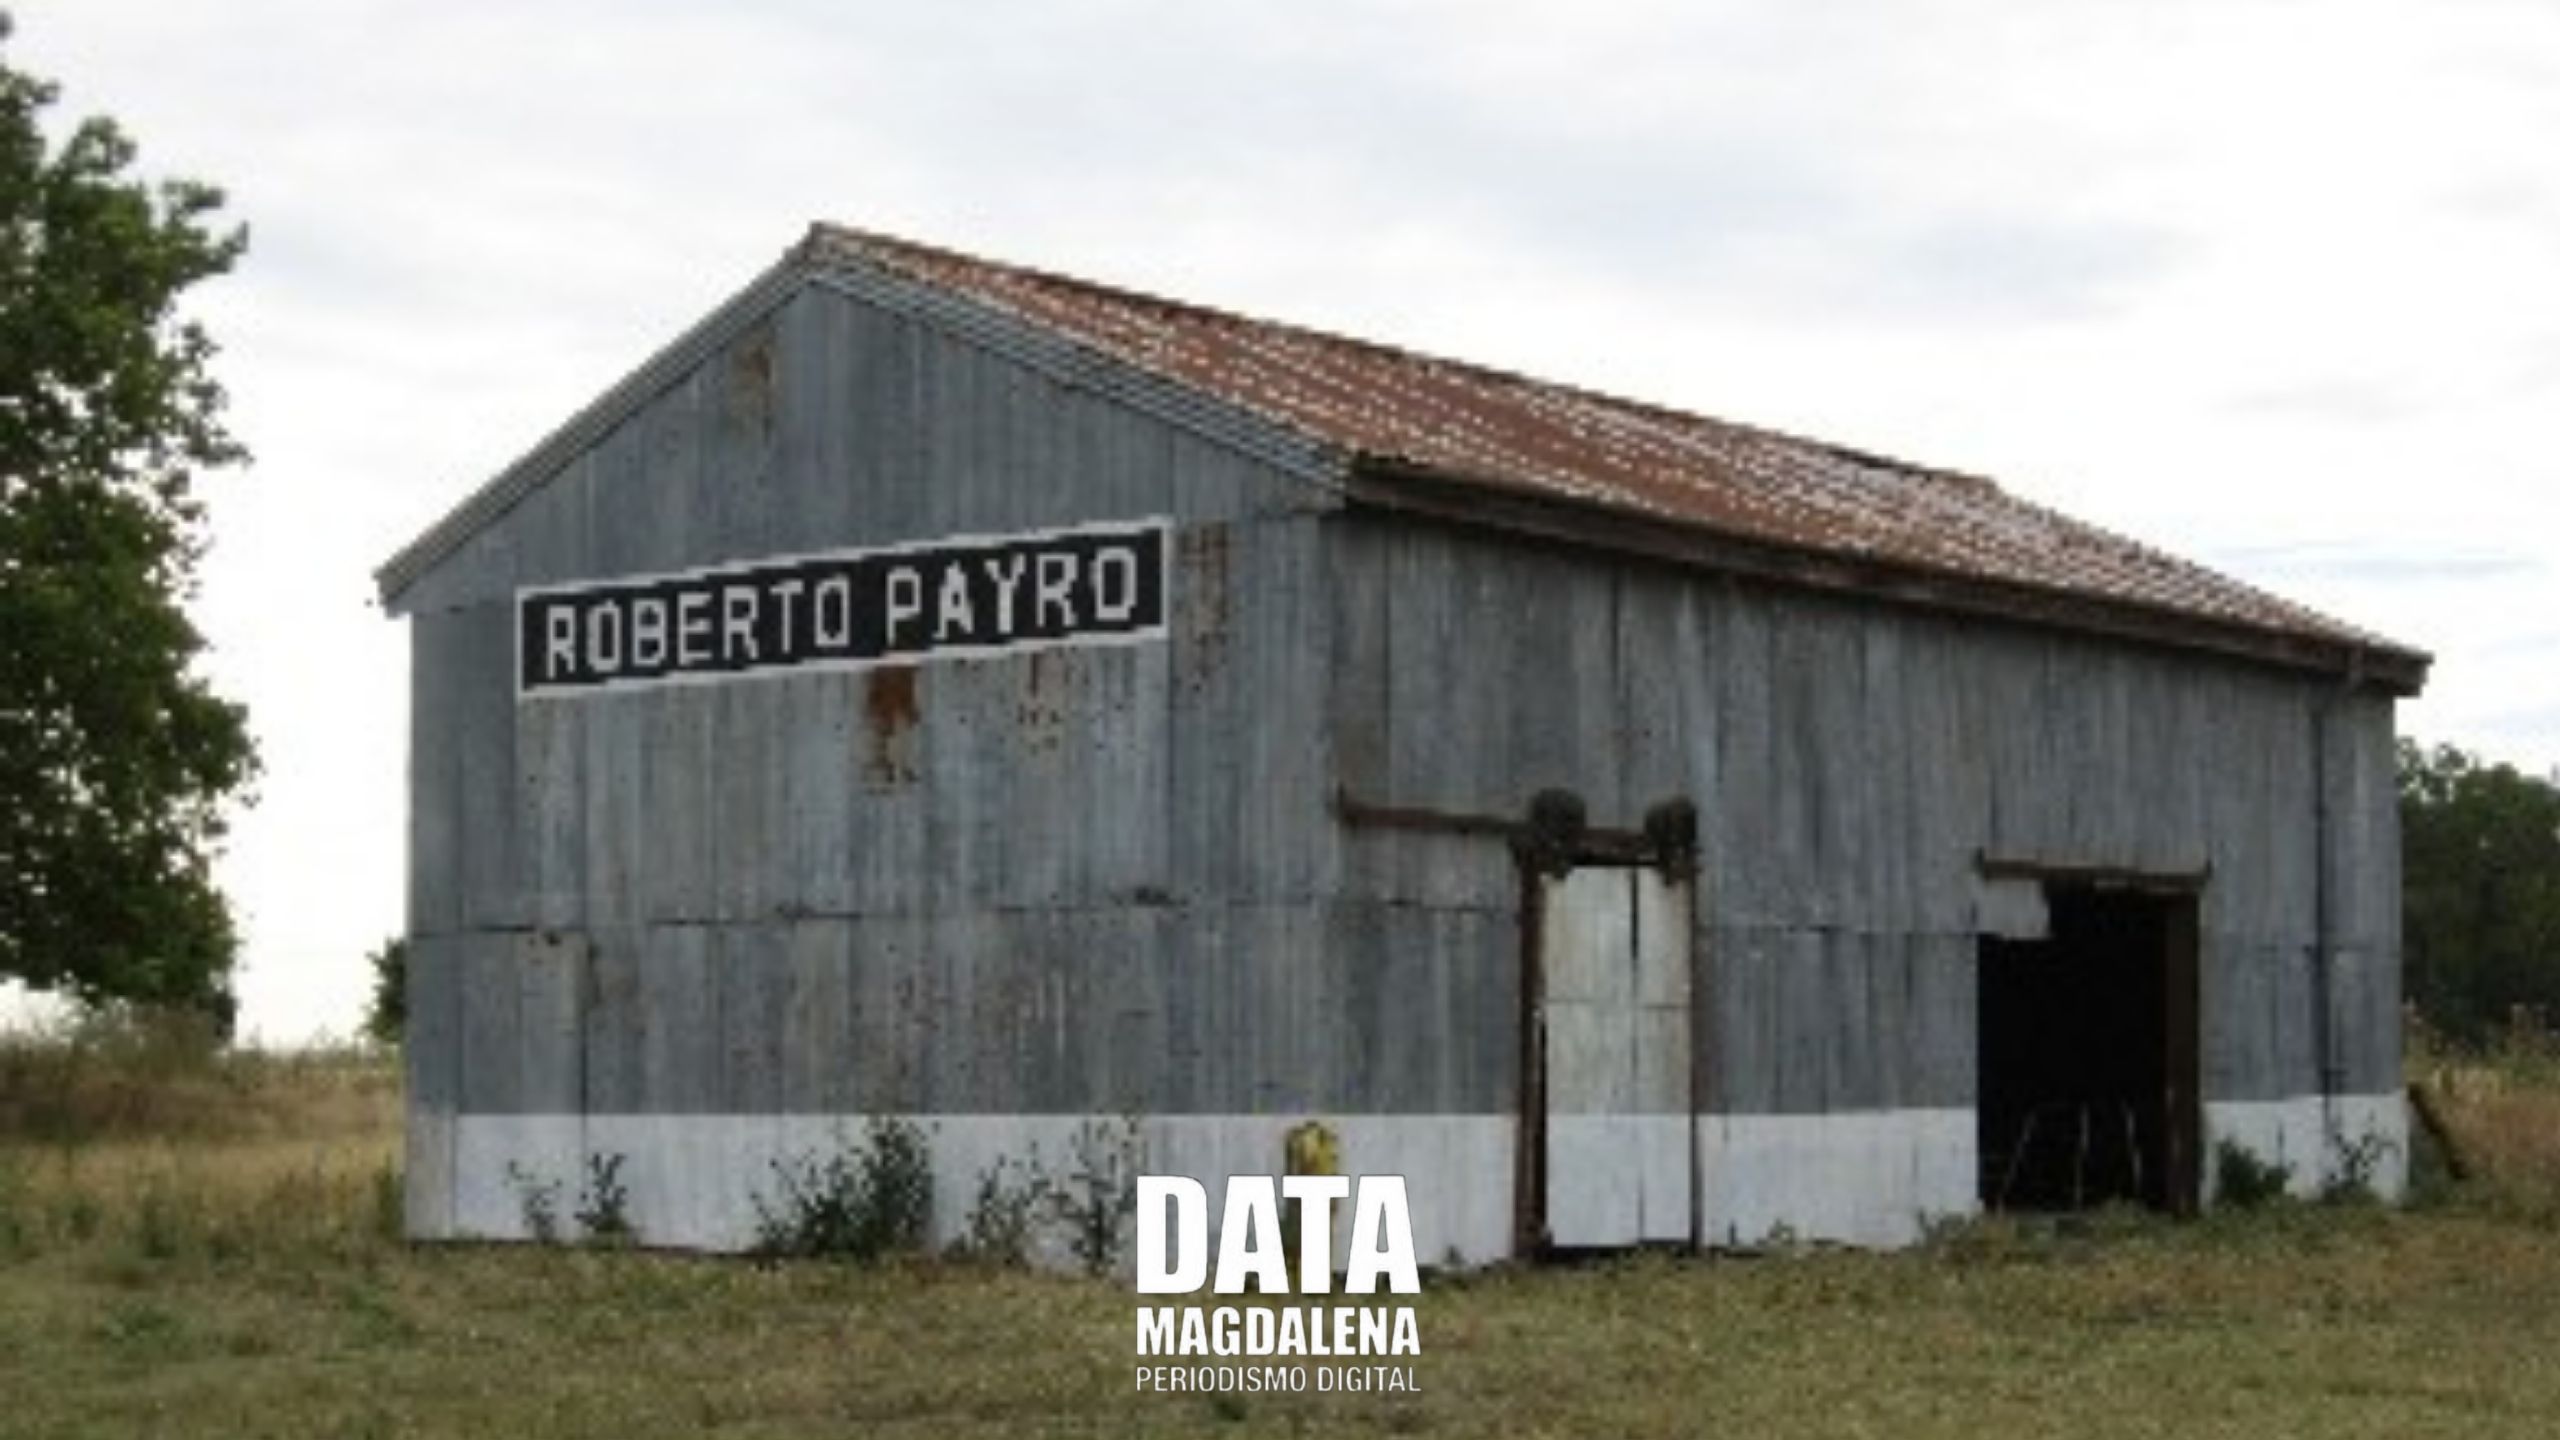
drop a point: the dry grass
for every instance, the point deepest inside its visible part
(148, 1141)
(2502, 1106)
(239, 1279)
(164, 1078)
(2511, 1135)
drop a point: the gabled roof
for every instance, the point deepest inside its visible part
(1416, 431)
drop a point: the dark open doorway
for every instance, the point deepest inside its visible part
(2087, 1091)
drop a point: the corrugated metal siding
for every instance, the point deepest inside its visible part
(1080, 880)
(1088, 881)
(1849, 763)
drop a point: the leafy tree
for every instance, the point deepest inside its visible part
(2480, 847)
(386, 1015)
(115, 756)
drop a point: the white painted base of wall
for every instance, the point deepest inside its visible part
(1868, 1177)
(2312, 1138)
(1874, 1178)
(693, 1180)
(1871, 1178)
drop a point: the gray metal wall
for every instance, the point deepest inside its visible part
(1096, 880)
(1081, 880)
(1849, 762)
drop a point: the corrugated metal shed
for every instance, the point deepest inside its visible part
(1280, 861)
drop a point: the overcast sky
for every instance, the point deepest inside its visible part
(2276, 285)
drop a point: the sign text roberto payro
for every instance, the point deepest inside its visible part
(1258, 1343)
(847, 609)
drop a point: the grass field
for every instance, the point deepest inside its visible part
(208, 1248)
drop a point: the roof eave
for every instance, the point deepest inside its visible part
(1393, 485)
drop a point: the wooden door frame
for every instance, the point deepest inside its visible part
(1553, 837)
(2181, 896)
(1551, 845)
(2182, 1064)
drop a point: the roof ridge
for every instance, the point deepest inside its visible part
(881, 245)
(1432, 413)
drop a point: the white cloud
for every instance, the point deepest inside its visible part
(2267, 282)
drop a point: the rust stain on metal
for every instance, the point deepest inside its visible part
(1201, 603)
(1041, 713)
(889, 702)
(1508, 433)
(749, 400)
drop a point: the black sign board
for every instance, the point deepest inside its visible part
(970, 595)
